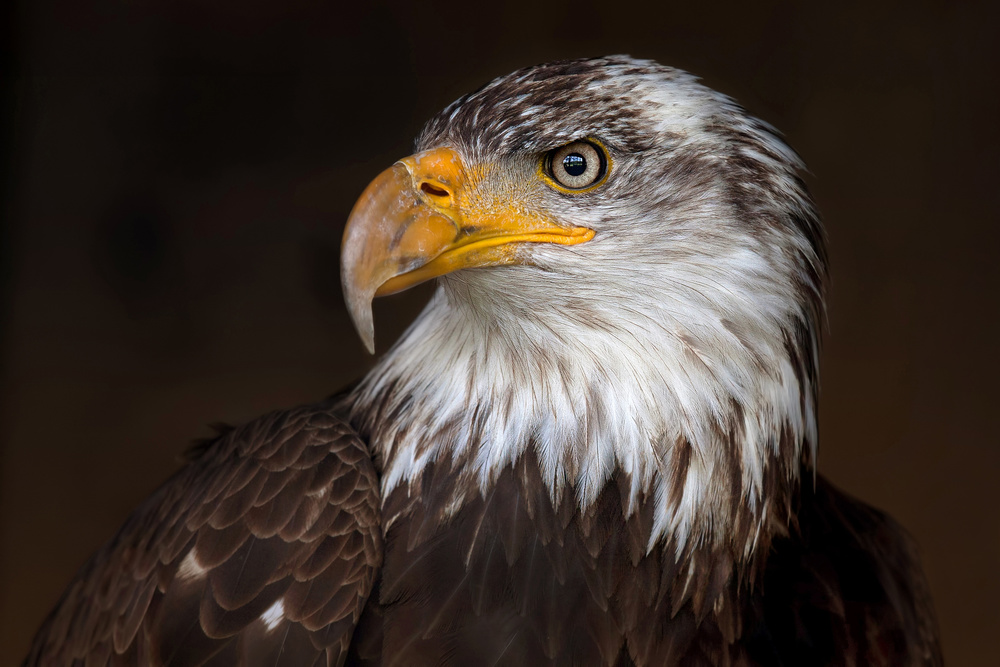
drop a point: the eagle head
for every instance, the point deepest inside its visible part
(629, 283)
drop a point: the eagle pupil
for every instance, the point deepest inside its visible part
(574, 164)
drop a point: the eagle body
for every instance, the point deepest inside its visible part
(595, 446)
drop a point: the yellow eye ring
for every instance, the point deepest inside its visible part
(579, 166)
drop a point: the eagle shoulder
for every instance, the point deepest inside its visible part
(261, 550)
(845, 587)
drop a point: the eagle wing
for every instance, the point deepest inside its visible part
(262, 550)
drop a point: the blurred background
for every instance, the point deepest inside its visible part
(177, 176)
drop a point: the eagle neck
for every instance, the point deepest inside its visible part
(480, 393)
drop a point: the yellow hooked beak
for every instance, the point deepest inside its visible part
(421, 219)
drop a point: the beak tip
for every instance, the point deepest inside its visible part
(361, 315)
(368, 339)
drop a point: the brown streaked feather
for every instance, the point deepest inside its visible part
(511, 579)
(504, 582)
(284, 509)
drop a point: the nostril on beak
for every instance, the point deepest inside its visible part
(434, 190)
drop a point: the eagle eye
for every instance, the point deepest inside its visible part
(577, 166)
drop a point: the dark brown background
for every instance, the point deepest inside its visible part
(178, 175)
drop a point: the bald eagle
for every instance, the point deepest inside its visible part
(595, 446)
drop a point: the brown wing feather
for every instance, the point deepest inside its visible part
(262, 550)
